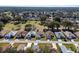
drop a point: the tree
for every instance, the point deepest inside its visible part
(1, 25)
(57, 19)
(67, 24)
(43, 19)
(18, 18)
(28, 27)
(5, 19)
(54, 24)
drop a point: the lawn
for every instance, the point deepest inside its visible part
(9, 26)
(71, 46)
(44, 47)
(36, 24)
(3, 44)
(32, 22)
(43, 44)
(76, 40)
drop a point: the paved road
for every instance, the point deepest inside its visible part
(27, 41)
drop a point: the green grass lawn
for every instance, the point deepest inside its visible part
(32, 22)
(9, 26)
(71, 46)
(3, 44)
(43, 44)
(44, 47)
(76, 40)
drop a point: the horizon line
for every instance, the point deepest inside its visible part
(40, 6)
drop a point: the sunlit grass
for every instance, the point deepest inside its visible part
(76, 40)
(9, 26)
(71, 46)
(3, 44)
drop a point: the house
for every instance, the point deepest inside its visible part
(10, 35)
(20, 34)
(31, 34)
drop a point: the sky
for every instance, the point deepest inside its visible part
(40, 3)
